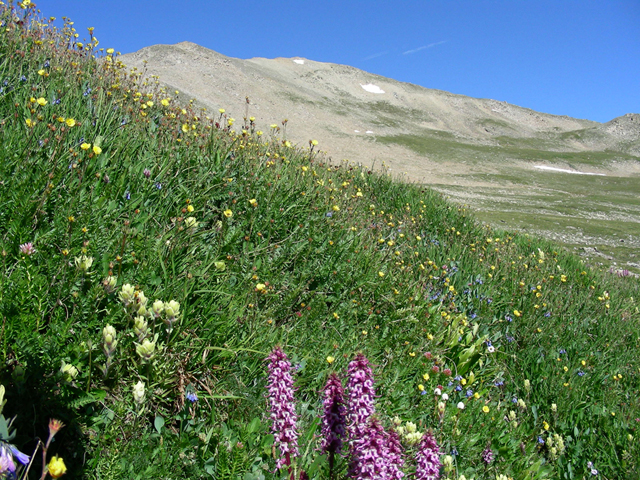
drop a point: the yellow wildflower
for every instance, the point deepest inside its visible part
(97, 150)
(56, 467)
(228, 213)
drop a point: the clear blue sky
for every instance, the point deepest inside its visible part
(568, 57)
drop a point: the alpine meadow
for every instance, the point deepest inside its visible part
(187, 295)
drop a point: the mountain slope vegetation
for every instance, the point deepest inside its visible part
(154, 253)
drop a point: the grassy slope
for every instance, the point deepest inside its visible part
(599, 211)
(350, 261)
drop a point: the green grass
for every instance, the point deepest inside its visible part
(265, 245)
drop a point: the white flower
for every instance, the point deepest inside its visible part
(437, 391)
(445, 397)
(491, 349)
(461, 405)
(138, 393)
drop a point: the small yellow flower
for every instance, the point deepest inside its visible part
(381, 274)
(253, 202)
(97, 150)
(222, 110)
(42, 71)
(110, 51)
(426, 377)
(261, 287)
(330, 359)
(190, 208)
(42, 101)
(421, 387)
(545, 425)
(314, 142)
(517, 313)
(165, 102)
(335, 208)
(70, 122)
(228, 213)
(185, 128)
(485, 409)
(85, 146)
(336, 316)
(30, 123)
(56, 467)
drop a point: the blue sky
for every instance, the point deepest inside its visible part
(566, 57)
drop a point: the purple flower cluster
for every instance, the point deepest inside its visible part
(377, 454)
(282, 406)
(361, 395)
(333, 420)
(487, 456)
(428, 459)
(7, 464)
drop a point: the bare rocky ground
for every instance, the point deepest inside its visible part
(477, 151)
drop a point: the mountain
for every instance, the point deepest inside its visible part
(513, 165)
(347, 109)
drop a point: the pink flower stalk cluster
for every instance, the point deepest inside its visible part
(377, 454)
(282, 407)
(333, 420)
(361, 397)
(428, 459)
(27, 249)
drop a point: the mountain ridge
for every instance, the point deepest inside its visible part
(368, 118)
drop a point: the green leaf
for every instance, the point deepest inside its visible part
(158, 423)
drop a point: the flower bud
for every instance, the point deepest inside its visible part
(220, 266)
(527, 385)
(140, 327)
(69, 372)
(157, 308)
(172, 309)
(146, 350)
(142, 299)
(126, 294)
(109, 335)
(83, 263)
(138, 393)
(109, 284)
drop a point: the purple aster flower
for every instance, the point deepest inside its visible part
(377, 454)
(361, 395)
(428, 459)
(282, 407)
(334, 418)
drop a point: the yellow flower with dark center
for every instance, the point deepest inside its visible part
(228, 213)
